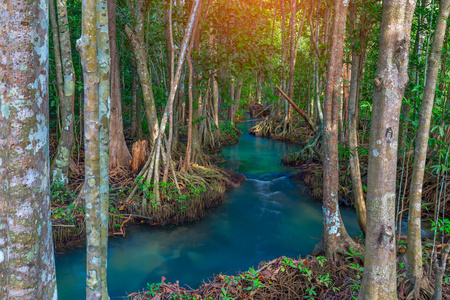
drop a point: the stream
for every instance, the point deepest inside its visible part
(268, 216)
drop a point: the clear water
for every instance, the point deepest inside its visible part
(268, 216)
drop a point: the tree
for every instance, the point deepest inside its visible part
(379, 280)
(136, 37)
(27, 267)
(334, 237)
(414, 251)
(119, 154)
(360, 204)
(94, 51)
(60, 167)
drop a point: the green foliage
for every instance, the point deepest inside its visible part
(351, 254)
(440, 226)
(60, 195)
(311, 293)
(446, 278)
(226, 128)
(170, 193)
(153, 289)
(325, 280)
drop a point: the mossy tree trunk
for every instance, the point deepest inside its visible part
(94, 50)
(414, 251)
(379, 280)
(104, 60)
(60, 167)
(27, 266)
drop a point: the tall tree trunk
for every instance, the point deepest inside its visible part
(136, 37)
(283, 55)
(58, 66)
(335, 238)
(414, 251)
(194, 147)
(318, 114)
(119, 153)
(64, 151)
(94, 51)
(232, 93)
(406, 107)
(294, 45)
(134, 105)
(440, 271)
(104, 60)
(259, 81)
(237, 99)
(379, 280)
(27, 264)
(355, 170)
(187, 161)
(290, 84)
(343, 118)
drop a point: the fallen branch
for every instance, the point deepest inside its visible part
(298, 109)
(257, 115)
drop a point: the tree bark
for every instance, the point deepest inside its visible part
(335, 238)
(58, 65)
(283, 55)
(64, 151)
(379, 280)
(237, 100)
(136, 37)
(27, 265)
(440, 271)
(414, 250)
(134, 105)
(94, 51)
(355, 170)
(119, 153)
(294, 45)
(104, 60)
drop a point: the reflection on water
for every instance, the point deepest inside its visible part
(266, 217)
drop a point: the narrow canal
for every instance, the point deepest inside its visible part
(268, 216)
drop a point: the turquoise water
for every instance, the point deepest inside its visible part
(268, 216)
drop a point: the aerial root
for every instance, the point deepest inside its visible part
(418, 289)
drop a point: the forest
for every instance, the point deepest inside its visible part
(212, 149)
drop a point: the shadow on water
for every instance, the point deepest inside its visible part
(268, 216)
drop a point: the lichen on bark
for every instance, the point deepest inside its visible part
(27, 268)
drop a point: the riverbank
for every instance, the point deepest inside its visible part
(187, 200)
(313, 277)
(308, 162)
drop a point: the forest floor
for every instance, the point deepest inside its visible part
(201, 188)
